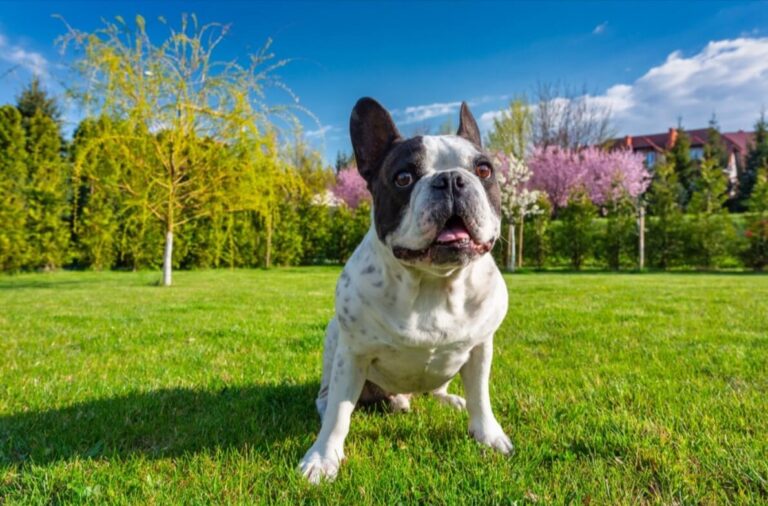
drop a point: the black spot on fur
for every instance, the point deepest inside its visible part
(378, 284)
(369, 270)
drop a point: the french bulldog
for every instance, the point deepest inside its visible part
(421, 297)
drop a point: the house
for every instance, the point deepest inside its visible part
(653, 146)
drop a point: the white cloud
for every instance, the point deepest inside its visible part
(417, 113)
(600, 28)
(728, 78)
(421, 113)
(486, 119)
(320, 132)
(17, 56)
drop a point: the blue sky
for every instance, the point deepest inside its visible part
(651, 62)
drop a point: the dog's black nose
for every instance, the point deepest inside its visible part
(452, 180)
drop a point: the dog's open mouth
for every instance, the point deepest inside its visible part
(454, 239)
(454, 232)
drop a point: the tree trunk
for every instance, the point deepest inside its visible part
(520, 244)
(511, 247)
(641, 237)
(168, 258)
(268, 253)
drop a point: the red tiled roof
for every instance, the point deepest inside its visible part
(734, 141)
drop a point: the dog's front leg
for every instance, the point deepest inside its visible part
(323, 459)
(475, 374)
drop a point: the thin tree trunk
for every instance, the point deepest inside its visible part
(268, 253)
(520, 244)
(168, 258)
(511, 247)
(641, 237)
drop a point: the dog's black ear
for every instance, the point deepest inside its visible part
(468, 126)
(373, 133)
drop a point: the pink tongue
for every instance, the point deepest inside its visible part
(453, 233)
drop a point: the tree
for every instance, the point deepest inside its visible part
(680, 156)
(664, 204)
(517, 202)
(351, 188)
(568, 119)
(13, 178)
(538, 243)
(343, 160)
(711, 229)
(578, 228)
(756, 159)
(603, 175)
(196, 137)
(620, 238)
(557, 172)
(48, 229)
(511, 132)
(103, 213)
(755, 254)
(715, 148)
(34, 97)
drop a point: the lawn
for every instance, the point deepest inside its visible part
(614, 389)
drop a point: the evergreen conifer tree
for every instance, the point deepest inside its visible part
(13, 175)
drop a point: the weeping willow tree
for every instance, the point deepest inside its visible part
(195, 137)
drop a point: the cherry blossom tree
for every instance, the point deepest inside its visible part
(350, 187)
(517, 202)
(603, 175)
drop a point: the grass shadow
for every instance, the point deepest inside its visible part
(162, 423)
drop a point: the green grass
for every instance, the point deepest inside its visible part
(614, 389)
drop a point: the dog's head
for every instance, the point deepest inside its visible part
(436, 199)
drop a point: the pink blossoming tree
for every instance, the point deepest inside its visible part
(604, 175)
(350, 187)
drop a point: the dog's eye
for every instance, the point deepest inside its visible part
(404, 179)
(483, 170)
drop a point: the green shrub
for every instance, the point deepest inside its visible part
(538, 241)
(755, 254)
(576, 239)
(619, 244)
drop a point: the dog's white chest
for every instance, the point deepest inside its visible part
(416, 335)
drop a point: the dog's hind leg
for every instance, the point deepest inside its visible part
(455, 401)
(373, 395)
(329, 350)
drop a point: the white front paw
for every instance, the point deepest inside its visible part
(491, 434)
(317, 467)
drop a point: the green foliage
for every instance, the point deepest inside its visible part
(34, 98)
(196, 140)
(576, 239)
(755, 253)
(348, 228)
(511, 131)
(664, 236)
(715, 148)
(756, 160)
(710, 229)
(13, 177)
(620, 234)
(685, 169)
(48, 228)
(98, 199)
(538, 243)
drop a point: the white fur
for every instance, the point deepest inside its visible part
(411, 329)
